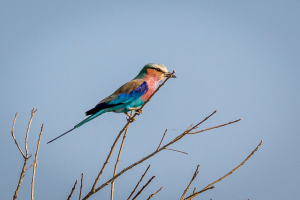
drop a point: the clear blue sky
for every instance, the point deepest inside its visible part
(239, 57)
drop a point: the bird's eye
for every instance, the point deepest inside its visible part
(158, 69)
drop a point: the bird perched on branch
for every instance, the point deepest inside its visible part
(130, 96)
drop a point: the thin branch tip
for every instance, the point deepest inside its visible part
(139, 182)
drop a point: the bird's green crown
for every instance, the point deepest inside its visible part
(143, 72)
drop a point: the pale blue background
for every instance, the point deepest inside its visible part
(240, 57)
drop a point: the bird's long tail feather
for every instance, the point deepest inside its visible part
(79, 124)
(61, 135)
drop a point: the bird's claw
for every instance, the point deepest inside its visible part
(139, 111)
(130, 119)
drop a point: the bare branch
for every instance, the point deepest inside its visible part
(237, 166)
(211, 185)
(142, 160)
(13, 135)
(117, 162)
(21, 178)
(138, 182)
(193, 178)
(193, 192)
(26, 138)
(152, 195)
(191, 125)
(177, 151)
(162, 139)
(29, 166)
(196, 126)
(35, 162)
(139, 192)
(216, 126)
(26, 157)
(81, 182)
(69, 197)
(107, 159)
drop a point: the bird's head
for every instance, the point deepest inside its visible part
(158, 71)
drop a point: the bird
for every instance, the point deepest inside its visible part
(130, 96)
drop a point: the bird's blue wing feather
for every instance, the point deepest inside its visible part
(120, 99)
(132, 96)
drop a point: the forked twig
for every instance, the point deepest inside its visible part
(193, 192)
(139, 192)
(69, 197)
(36, 162)
(25, 156)
(209, 186)
(206, 118)
(152, 195)
(193, 178)
(216, 126)
(138, 182)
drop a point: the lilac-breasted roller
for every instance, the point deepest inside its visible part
(130, 96)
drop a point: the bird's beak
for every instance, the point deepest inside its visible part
(170, 75)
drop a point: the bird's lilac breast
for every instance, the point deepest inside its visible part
(152, 83)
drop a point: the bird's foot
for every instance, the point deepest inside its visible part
(128, 115)
(138, 111)
(130, 119)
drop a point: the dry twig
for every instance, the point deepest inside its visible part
(69, 197)
(117, 162)
(206, 118)
(35, 162)
(193, 178)
(177, 151)
(29, 166)
(139, 192)
(25, 156)
(81, 182)
(138, 182)
(26, 138)
(162, 139)
(194, 191)
(210, 186)
(152, 195)
(13, 135)
(107, 159)
(216, 126)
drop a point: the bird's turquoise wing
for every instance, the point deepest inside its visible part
(121, 97)
(132, 96)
